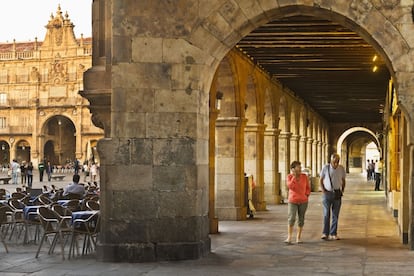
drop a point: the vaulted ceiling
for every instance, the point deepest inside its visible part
(324, 63)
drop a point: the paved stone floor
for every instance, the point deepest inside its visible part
(370, 245)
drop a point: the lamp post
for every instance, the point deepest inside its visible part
(60, 141)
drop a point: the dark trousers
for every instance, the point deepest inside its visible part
(377, 181)
(41, 176)
(29, 180)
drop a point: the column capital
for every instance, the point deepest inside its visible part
(230, 121)
(272, 132)
(255, 127)
(285, 135)
(309, 140)
(295, 137)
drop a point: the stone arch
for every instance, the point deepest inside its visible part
(250, 101)
(358, 16)
(351, 130)
(226, 84)
(283, 108)
(224, 24)
(22, 151)
(268, 109)
(59, 140)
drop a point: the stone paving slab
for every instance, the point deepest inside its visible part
(369, 245)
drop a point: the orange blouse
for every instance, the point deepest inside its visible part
(299, 191)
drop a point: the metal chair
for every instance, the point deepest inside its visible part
(52, 227)
(17, 215)
(92, 205)
(4, 221)
(89, 228)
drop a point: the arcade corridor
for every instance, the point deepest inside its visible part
(369, 245)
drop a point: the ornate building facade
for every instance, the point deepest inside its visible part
(42, 116)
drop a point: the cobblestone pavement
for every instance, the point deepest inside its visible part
(369, 245)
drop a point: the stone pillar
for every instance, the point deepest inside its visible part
(302, 151)
(230, 198)
(212, 173)
(309, 154)
(411, 196)
(294, 147)
(254, 162)
(284, 160)
(314, 157)
(148, 95)
(271, 167)
(319, 159)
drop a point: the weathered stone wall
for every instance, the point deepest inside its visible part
(161, 58)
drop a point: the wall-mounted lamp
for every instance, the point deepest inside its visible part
(375, 63)
(219, 97)
(245, 107)
(23, 147)
(59, 122)
(3, 147)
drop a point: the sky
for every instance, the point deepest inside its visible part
(24, 20)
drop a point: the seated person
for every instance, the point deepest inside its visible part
(74, 188)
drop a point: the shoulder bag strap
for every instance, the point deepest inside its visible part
(330, 179)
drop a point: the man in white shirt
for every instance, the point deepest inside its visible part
(74, 187)
(332, 177)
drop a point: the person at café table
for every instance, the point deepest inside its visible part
(74, 187)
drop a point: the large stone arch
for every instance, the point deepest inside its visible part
(355, 129)
(171, 66)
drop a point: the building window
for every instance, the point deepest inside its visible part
(3, 98)
(3, 122)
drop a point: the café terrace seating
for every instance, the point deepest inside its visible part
(52, 226)
(65, 222)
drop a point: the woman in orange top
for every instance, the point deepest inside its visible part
(299, 191)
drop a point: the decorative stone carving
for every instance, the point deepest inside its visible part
(34, 75)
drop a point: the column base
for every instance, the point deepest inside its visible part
(279, 199)
(231, 213)
(149, 252)
(261, 206)
(213, 225)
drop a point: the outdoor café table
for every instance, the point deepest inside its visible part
(63, 201)
(82, 214)
(30, 212)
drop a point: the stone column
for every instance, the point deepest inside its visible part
(254, 162)
(319, 161)
(294, 147)
(271, 167)
(230, 198)
(309, 151)
(302, 151)
(154, 164)
(284, 160)
(314, 157)
(212, 173)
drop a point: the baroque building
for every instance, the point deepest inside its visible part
(42, 116)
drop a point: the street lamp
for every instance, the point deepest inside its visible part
(60, 141)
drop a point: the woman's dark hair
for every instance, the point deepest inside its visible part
(294, 164)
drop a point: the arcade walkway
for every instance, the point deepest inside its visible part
(370, 245)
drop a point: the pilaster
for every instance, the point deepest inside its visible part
(271, 167)
(230, 188)
(258, 135)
